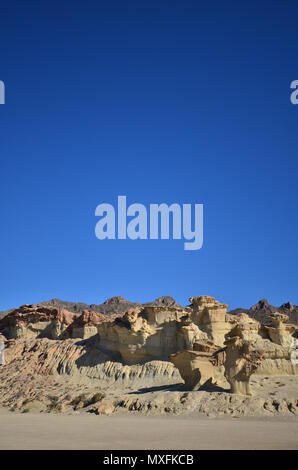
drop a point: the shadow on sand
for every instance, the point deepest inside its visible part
(180, 387)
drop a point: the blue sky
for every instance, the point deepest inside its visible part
(162, 101)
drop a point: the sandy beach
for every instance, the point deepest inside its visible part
(84, 431)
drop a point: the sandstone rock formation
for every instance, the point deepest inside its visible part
(86, 325)
(246, 328)
(211, 316)
(52, 321)
(159, 329)
(126, 349)
(68, 376)
(276, 359)
(201, 367)
(35, 320)
(241, 361)
(141, 336)
(83, 362)
(279, 332)
(188, 334)
(249, 347)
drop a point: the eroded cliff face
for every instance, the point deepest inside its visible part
(47, 321)
(249, 348)
(157, 331)
(210, 316)
(86, 325)
(143, 335)
(43, 375)
(37, 371)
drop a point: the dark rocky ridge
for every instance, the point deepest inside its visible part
(112, 305)
(262, 311)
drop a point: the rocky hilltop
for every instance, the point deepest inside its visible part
(113, 305)
(262, 310)
(154, 358)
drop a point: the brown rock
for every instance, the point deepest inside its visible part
(35, 321)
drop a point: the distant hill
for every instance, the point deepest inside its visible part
(111, 306)
(263, 309)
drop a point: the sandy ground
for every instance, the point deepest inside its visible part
(84, 431)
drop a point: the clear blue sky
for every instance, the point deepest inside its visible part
(163, 101)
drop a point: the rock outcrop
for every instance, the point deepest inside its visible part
(113, 306)
(52, 376)
(276, 359)
(188, 334)
(249, 347)
(211, 317)
(35, 321)
(143, 335)
(86, 325)
(128, 347)
(201, 367)
(263, 310)
(84, 362)
(164, 301)
(159, 329)
(279, 332)
(241, 360)
(52, 321)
